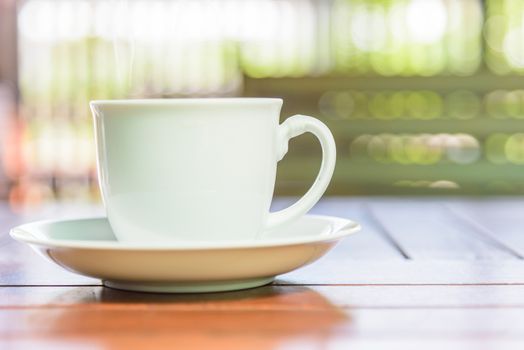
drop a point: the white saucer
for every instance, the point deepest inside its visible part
(88, 247)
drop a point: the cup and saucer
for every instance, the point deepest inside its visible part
(187, 185)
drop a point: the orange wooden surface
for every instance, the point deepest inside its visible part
(396, 285)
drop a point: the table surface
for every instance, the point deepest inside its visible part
(427, 273)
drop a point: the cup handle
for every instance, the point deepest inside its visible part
(292, 127)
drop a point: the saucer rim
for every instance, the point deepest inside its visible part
(22, 233)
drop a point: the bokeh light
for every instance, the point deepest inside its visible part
(399, 88)
(421, 149)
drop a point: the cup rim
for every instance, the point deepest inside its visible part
(188, 101)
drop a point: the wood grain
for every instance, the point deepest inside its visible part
(427, 230)
(500, 218)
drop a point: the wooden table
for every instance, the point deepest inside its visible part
(423, 274)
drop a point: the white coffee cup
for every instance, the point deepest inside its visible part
(198, 169)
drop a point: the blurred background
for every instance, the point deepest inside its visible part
(423, 96)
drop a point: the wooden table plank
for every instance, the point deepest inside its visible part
(368, 244)
(264, 341)
(500, 218)
(425, 229)
(347, 271)
(271, 298)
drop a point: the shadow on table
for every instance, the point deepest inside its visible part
(269, 293)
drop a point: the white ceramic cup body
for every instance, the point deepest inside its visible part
(187, 169)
